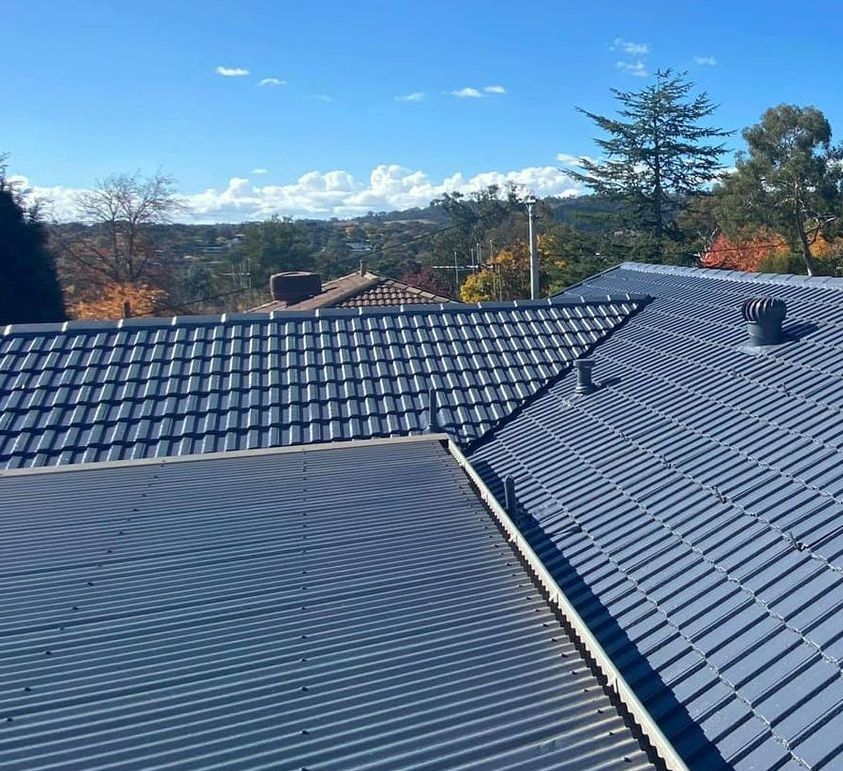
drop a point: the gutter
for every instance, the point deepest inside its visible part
(557, 598)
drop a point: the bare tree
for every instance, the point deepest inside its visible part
(118, 246)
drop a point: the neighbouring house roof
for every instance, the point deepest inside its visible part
(359, 290)
(331, 608)
(90, 391)
(692, 510)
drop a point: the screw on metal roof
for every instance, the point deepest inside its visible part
(764, 317)
(584, 368)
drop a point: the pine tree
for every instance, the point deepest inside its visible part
(656, 156)
(29, 287)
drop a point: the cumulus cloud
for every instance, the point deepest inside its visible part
(337, 193)
(637, 68)
(705, 61)
(415, 96)
(494, 89)
(628, 47)
(232, 72)
(272, 82)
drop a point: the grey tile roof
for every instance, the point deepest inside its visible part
(692, 509)
(157, 387)
(328, 608)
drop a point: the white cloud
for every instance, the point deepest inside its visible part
(705, 61)
(260, 171)
(628, 47)
(232, 72)
(416, 96)
(272, 82)
(476, 93)
(573, 161)
(637, 68)
(337, 193)
(467, 93)
(321, 98)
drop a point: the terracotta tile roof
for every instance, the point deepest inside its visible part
(360, 290)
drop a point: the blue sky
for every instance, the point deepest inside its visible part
(90, 88)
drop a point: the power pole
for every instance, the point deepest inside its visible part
(456, 275)
(530, 202)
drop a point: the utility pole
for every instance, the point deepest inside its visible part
(456, 275)
(530, 202)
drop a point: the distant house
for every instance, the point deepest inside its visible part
(300, 290)
(265, 538)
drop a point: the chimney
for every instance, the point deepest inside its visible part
(294, 286)
(362, 267)
(585, 385)
(764, 317)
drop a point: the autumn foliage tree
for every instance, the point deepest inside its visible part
(116, 257)
(789, 181)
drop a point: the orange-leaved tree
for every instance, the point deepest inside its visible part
(116, 301)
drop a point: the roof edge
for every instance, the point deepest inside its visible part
(168, 460)
(164, 322)
(556, 597)
(788, 279)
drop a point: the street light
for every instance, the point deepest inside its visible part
(530, 201)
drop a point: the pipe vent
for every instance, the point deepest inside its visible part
(584, 367)
(764, 317)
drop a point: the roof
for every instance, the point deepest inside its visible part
(692, 510)
(90, 391)
(324, 608)
(360, 290)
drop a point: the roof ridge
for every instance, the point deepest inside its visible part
(787, 279)
(410, 309)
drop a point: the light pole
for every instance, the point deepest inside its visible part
(530, 202)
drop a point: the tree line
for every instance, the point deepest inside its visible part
(658, 192)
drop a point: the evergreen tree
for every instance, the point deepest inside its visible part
(656, 155)
(29, 287)
(789, 182)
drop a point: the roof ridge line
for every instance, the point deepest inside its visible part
(785, 279)
(161, 322)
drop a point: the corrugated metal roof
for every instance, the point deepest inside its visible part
(691, 510)
(335, 608)
(90, 391)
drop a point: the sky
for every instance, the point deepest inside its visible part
(333, 109)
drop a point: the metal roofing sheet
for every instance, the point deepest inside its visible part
(691, 509)
(91, 391)
(343, 608)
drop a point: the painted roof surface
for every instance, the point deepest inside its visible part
(360, 290)
(328, 608)
(692, 509)
(88, 391)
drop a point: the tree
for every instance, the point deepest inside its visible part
(657, 156)
(29, 287)
(789, 180)
(119, 247)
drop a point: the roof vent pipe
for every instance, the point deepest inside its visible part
(764, 317)
(584, 367)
